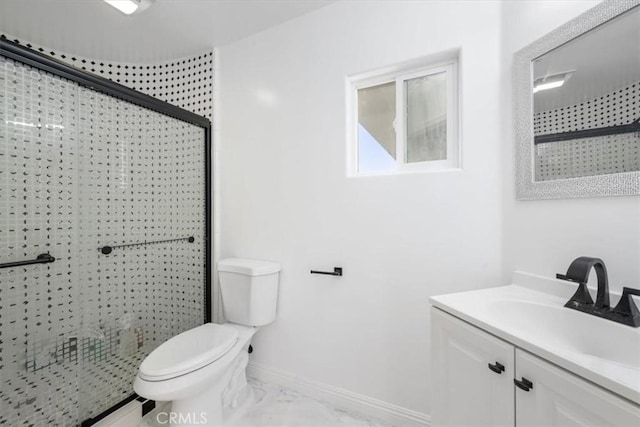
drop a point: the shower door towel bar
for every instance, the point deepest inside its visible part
(40, 259)
(588, 133)
(106, 250)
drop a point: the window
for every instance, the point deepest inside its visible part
(405, 120)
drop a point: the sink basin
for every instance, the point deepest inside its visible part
(602, 351)
(571, 331)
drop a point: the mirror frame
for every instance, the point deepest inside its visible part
(620, 184)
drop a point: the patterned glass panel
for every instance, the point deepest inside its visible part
(600, 155)
(80, 170)
(39, 304)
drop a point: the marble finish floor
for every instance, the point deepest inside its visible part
(279, 406)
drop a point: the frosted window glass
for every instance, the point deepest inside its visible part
(426, 118)
(376, 132)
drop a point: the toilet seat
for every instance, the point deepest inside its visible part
(188, 351)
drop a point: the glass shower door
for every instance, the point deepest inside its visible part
(141, 178)
(39, 304)
(81, 170)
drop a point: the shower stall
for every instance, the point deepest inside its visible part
(104, 236)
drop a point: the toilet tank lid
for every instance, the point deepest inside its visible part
(249, 267)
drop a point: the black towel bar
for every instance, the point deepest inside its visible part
(40, 259)
(106, 250)
(588, 133)
(337, 271)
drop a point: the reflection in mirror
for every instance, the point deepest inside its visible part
(586, 103)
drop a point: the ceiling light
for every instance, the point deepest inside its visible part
(551, 81)
(130, 6)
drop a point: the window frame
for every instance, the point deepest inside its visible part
(400, 75)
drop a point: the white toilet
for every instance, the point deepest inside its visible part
(202, 371)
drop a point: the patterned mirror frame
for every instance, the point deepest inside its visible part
(620, 184)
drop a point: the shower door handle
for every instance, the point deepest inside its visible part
(40, 259)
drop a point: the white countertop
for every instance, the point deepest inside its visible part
(531, 315)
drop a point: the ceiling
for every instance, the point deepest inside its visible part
(605, 59)
(169, 29)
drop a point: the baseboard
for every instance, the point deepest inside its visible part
(340, 398)
(129, 415)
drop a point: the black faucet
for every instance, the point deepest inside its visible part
(578, 272)
(625, 312)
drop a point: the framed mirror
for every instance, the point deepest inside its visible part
(577, 107)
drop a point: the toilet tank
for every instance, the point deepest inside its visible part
(249, 290)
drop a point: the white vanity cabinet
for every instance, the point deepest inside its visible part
(466, 391)
(559, 398)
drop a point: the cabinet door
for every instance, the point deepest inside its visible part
(465, 392)
(559, 398)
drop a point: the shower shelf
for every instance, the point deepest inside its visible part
(106, 250)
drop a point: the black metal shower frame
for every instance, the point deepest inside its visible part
(19, 53)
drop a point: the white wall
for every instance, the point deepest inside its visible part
(284, 194)
(543, 237)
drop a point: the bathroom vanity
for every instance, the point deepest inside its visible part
(514, 355)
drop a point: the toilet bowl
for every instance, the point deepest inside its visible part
(202, 371)
(197, 378)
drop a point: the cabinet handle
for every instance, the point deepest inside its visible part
(498, 367)
(523, 384)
